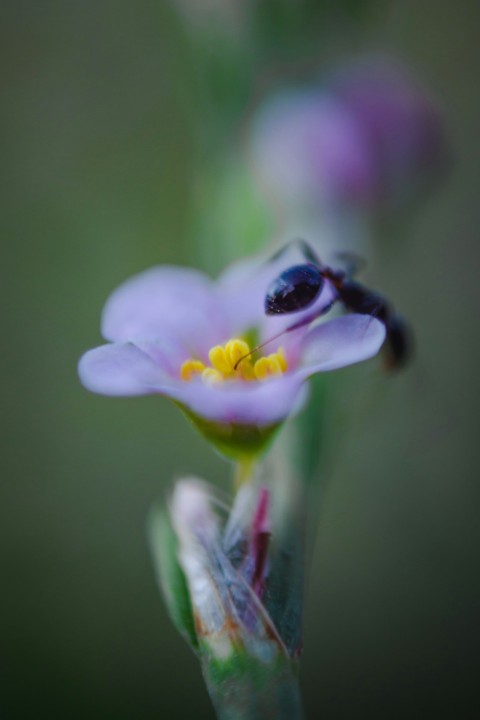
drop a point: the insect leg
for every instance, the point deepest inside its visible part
(305, 249)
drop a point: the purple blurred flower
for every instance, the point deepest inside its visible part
(307, 147)
(400, 122)
(167, 320)
(367, 137)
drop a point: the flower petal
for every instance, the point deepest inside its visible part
(239, 403)
(242, 288)
(120, 369)
(125, 369)
(179, 302)
(340, 342)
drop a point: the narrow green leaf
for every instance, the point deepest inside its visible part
(170, 576)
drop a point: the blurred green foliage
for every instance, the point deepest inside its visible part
(100, 159)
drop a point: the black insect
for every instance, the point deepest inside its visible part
(299, 286)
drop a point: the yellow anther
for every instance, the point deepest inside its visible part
(210, 376)
(282, 359)
(236, 349)
(274, 364)
(191, 367)
(270, 366)
(245, 370)
(219, 360)
(224, 358)
(261, 369)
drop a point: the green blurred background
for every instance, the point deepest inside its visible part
(99, 145)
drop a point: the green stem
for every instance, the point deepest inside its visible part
(243, 472)
(248, 689)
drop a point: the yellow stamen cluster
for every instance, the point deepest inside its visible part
(224, 358)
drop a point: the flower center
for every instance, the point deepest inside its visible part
(224, 358)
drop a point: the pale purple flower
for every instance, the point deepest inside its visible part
(307, 148)
(160, 318)
(368, 135)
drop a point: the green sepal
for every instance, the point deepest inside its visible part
(235, 441)
(170, 576)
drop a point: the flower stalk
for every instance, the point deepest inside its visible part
(246, 689)
(233, 585)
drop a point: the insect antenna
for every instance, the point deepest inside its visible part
(304, 321)
(259, 347)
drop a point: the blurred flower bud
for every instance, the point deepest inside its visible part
(399, 121)
(308, 148)
(367, 138)
(224, 570)
(213, 575)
